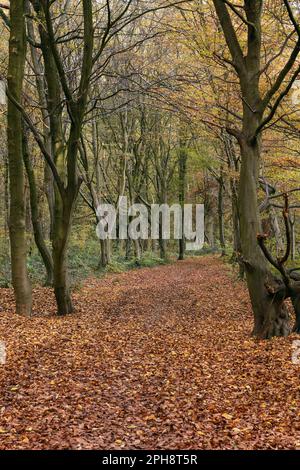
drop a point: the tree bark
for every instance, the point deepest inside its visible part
(221, 213)
(42, 93)
(270, 314)
(37, 228)
(62, 228)
(293, 235)
(276, 230)
(210, 201)
(17, 54)
(65, 172)
(104, 253)
(182, 164)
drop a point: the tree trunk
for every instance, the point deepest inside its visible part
(127, 248)
(276, 230)
(37, 229)
(237, 247)
(233, 165)
(182, 162)
(137, 249)
(162, 248)
(296, 304)
(221, 213)
(210, 208)
(270, 314)
(62, 227)
(41, 89)
(162, 241)
(104, 253)
(293, 236)
(17, 53)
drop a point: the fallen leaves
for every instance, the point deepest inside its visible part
(227, 416)
(153, 359)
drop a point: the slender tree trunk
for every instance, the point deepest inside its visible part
(233, 165)
(237, 247)
(49, 191)
(293, 236)
(62, 228)
(127, 248)
(162, 248)
(105, 256)
(221, 213)
(17, 53)
(62, 207)
(276, 230)
(41, 89)
(37, 228)
(182, 161)
(147, 245)
(162, 241)
(210, 210)
(137, 249)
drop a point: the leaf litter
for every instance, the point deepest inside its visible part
(158, 358)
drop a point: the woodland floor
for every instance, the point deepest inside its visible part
(155, 358)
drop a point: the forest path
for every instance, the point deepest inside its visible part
(153, 359)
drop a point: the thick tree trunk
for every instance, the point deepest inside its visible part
(296, 304)
(17, 53)
(270, 315)
(296, 328)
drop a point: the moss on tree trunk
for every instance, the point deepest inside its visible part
(17, 53)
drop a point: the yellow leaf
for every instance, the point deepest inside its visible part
(150, 417)
(236, 430)
(118, 442)
(227, 416)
